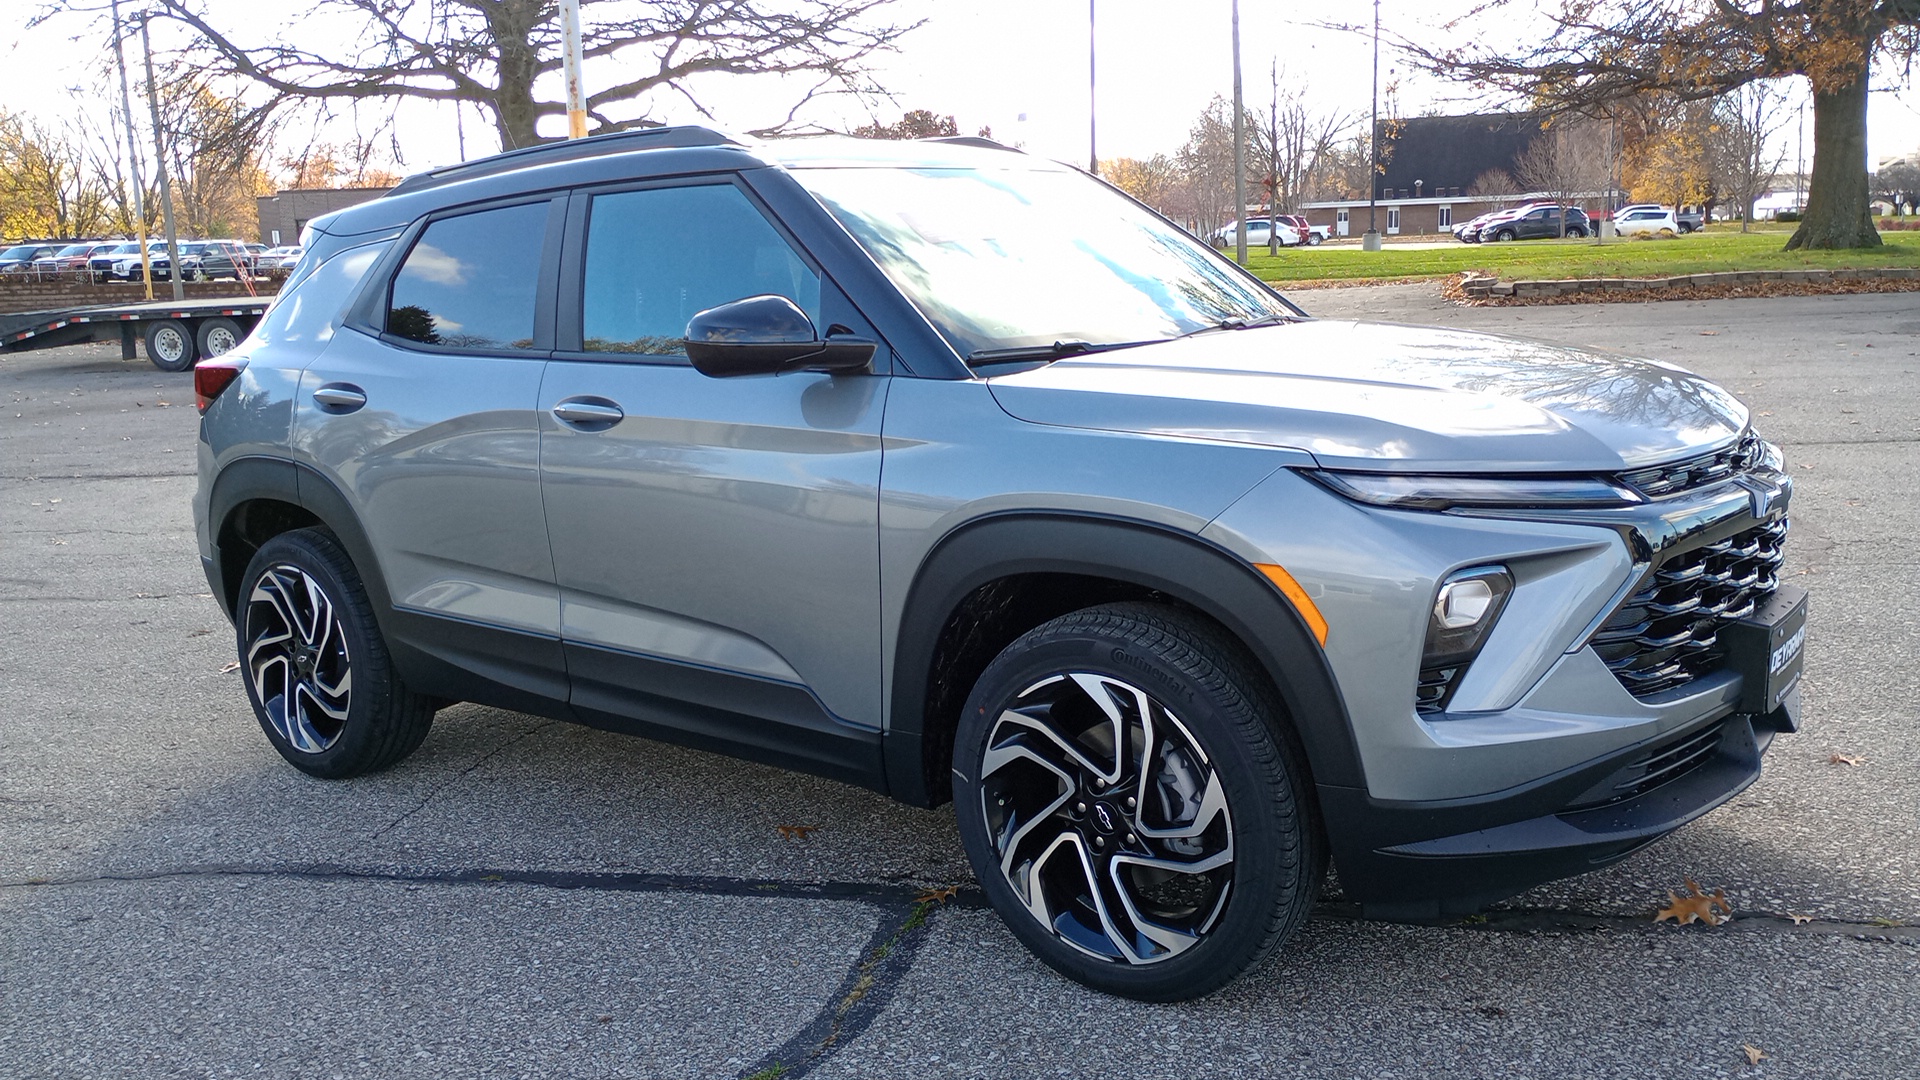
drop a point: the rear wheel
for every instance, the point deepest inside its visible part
(170, 345)
(315, 666)
(1129, 805)
(1577, 233)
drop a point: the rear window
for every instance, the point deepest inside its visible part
(470, 281)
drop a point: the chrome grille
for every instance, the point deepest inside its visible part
(1656, 481)
(1666, 634)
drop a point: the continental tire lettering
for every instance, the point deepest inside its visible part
(1147, 668)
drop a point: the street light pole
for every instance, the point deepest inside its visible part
(1239, 150)
(133, 155)
(1371, 241)
(570, 45)
(174, 269)
(1093, 152)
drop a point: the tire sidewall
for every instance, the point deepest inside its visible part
(315, 554)
(1260, 880)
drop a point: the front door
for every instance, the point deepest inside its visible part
(716, 541)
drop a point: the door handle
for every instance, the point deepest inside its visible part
(595, 413)
(340, 397)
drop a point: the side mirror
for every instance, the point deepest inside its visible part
(767, 335)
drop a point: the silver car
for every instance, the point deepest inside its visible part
(954, 473)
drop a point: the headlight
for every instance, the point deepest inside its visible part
(1411, 492)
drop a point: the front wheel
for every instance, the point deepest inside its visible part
(315, 666)
(1505, 234)
(1131, 806)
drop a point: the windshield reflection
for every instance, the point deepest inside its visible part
(1028, 257)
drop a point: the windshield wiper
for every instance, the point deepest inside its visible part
(1065, 347)
(1237, 323)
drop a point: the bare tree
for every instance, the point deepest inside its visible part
(490, 53)
(1745, 122)
(1565, 162)
(1493, 182)
(1899, 184)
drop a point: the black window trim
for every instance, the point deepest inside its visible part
(570, 298)
(369, 311)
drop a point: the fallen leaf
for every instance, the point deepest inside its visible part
(937, 896)
(1698, 905)
(1800, 920)
(1709, 333)
(603, 1018)
(233, 666)
(796, 832)
(1845, 759)
(1754, 1054)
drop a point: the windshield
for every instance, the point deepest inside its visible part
(1020, 258)
(73, 249)
(20, 252)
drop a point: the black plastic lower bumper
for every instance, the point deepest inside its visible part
(1414, 861)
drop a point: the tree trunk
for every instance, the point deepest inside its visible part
(1838, 214)
(511, 25)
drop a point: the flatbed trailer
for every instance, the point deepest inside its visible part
(177, 333)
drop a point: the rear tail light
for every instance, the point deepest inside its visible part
(212, 377)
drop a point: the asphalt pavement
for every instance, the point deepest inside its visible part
(529, 898)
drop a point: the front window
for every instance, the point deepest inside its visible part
(1027, 258)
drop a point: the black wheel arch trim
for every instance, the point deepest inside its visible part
(1178, 564)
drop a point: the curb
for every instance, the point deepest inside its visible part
(1481, 287)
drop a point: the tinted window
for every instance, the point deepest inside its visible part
(657, 257)
(470, 280)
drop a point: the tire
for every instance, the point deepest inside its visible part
(306, 632)
(1666, 233)
(170, 345)
(1054, 819)
(1505, 234)
(217, 335)
(1577, 233)
(1315, 239)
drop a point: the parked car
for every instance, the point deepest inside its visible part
(1175, 591)
(20, 257)
(1536, 223)
(1306, 231)
(279, 258)
(1690, 220)
(129, 268)
(72, 257)
(1644, 221)
(1258, 234)
(217, 259)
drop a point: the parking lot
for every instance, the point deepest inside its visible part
(524, 897)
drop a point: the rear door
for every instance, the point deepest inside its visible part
(716, 541)
(420, 415)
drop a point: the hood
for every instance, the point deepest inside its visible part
(1385, 397)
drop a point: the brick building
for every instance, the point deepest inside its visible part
(284, 213)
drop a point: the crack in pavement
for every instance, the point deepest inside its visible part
(461, 775)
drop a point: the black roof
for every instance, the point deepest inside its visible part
(1452, 151)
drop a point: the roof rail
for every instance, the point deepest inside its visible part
(974, 140)
(568, 150)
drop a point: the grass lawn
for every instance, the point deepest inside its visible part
(1718, 248)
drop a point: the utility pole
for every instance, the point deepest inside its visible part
(1239, 151)
(1371, 241)
(576, 96)
(1800, 165)
(174, 268)
(1093, 153)
(133, 155)
(1273, 161)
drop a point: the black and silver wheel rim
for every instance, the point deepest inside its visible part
(297, 658)
(219, 340)
(169, 344)
(1108, 819)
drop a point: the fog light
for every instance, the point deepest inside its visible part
(1465, 608)
(1462, 603)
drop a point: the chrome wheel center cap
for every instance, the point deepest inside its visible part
(1104, 818)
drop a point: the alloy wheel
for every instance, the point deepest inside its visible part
(1108, 819)
(296, 656)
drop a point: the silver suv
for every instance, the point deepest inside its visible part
(945, 471)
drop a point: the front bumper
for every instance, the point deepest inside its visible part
(1412, 861)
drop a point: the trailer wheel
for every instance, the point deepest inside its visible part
(170, 345)
(217, 336)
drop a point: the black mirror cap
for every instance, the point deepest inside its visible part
(767, 335)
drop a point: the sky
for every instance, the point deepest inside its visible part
(1019, 67)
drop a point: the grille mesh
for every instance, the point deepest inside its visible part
(1666, 634)
(1660, 480)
